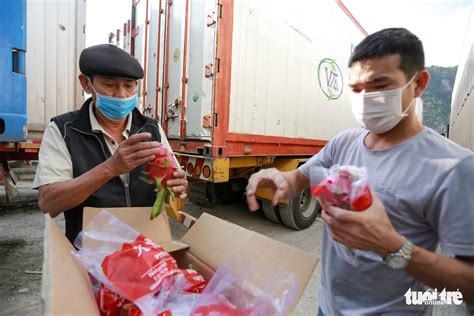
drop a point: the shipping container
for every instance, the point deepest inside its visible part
(460, 128)
(243, 85)
(40, 42)
(56, 37)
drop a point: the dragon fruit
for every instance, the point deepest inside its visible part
(158, 172)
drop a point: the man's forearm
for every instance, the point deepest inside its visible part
(58, 197)
(439, 271)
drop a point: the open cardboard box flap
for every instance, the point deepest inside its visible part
(208, 244)
(138, 218)
(214, 241)
(66, 285)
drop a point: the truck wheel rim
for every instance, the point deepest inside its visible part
(307, 204)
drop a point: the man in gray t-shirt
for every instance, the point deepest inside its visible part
(420, 182)
(422, 186)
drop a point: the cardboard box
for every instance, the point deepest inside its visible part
(210, 242)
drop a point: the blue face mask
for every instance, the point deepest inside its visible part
(114, 108)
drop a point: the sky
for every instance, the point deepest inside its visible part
(105, 16)
(440, 24)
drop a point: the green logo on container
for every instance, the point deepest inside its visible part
(176, 55)
(330, 78)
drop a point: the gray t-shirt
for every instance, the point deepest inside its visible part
(426, 184)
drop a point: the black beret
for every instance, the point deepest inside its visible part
(109, 60)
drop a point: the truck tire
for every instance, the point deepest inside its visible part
(198, 194)
(271, 213)
(300, 212)
(226, 192)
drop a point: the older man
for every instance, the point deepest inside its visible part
(95, 156)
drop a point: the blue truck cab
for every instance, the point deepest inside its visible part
(13, 116)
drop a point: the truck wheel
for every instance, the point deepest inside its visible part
(300, 212)
(226, 192)
(198, 194)
(271, 212)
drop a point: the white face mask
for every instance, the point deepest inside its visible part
(379, 111)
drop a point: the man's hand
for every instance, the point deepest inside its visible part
(179, 184)
(267, 178)
(132, 153)
(367, 230)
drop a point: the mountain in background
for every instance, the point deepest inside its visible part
(437, 98)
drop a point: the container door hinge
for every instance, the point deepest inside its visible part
(219, 9)
(214, 119)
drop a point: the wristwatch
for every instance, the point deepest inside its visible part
(400, 259)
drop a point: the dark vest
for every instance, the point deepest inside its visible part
(89, 149)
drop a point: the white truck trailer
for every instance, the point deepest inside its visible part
(55, 39)
(460, 128)
(242, 85)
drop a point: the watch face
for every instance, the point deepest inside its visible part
(396, 262)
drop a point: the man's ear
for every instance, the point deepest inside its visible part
(422, 80)
(85, 83)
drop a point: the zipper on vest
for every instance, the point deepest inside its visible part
(127, 193)
(139, 130)
(125, 184)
